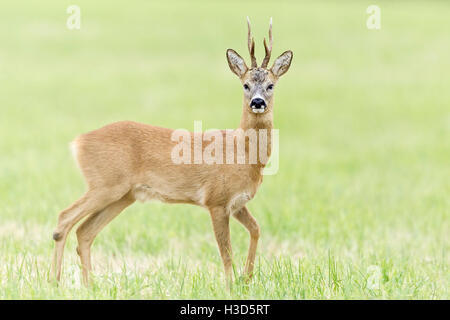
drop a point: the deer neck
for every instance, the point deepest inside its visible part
(258, 122)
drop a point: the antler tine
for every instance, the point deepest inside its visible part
(251, 45)
(268, 49)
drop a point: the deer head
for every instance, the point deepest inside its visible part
(259, 82)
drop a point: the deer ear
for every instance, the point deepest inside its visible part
(236, 63)
(282, 63)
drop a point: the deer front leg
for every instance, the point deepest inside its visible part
(244, 216)
(221, 225)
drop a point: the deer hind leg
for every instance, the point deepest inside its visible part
(249, 222)
(221, 225)
(91, 227)
(92, 201)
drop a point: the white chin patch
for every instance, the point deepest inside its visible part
(261, 110)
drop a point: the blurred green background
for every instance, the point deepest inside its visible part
(360, 206)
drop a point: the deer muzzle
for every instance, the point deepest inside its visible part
(258, 105)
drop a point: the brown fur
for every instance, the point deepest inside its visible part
(127, 161)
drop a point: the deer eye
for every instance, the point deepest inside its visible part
(270, 87)
(246, 87)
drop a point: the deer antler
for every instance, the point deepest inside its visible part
(251, 45)
(268, 48)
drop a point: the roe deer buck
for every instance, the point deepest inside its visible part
(127, 161)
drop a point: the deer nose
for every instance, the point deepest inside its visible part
(257, 103)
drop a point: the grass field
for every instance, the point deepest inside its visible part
(360, 207)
